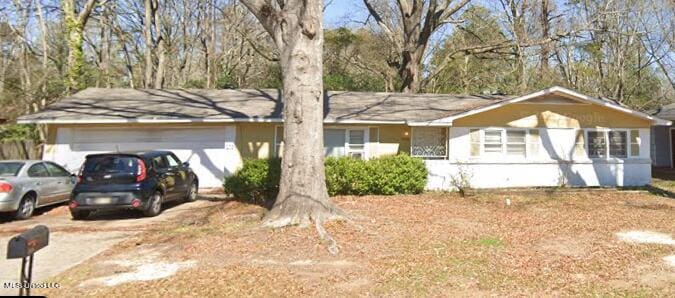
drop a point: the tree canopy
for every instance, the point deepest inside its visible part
(619, 49)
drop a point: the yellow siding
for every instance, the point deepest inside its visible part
(576, 115)
(256, 140)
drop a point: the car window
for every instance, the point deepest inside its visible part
(10, 168)
(173, 161)
(56, 171)
(110, 164)
(159, 162)
(38, 170)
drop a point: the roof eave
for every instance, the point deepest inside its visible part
(559, 90)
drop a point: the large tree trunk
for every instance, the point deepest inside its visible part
(297, 30)
(302, 195)
(410, 72)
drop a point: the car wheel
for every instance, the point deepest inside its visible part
(155, 205)
(26, 207)
(192, 192)
(79, 214)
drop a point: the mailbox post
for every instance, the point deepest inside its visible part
(23, 247)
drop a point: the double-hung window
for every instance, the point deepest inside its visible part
(337, 142)
(504, 142)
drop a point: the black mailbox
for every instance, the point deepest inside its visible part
(28, 242)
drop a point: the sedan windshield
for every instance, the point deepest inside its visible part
(10, 169)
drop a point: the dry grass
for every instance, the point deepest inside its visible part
(545, 243)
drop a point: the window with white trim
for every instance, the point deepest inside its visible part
(337, 142)
(504, 142)
(515, 142)
(356, 147)
(429, 142)
(492, 141)
(597, 144)
(614, 143)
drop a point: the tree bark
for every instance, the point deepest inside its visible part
(545, 28)
(149, 43)
(161, 49)
(296, 29)
(417, 20)
(75, 24)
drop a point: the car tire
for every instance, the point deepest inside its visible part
(154, 205)
(26, 207)
(191, 195)
(79, 214)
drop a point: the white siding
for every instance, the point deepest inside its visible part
(553, 166)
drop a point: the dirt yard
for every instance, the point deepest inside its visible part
(555, 242)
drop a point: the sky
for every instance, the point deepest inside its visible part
(344, 13)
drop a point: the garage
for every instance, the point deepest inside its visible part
(210, 150)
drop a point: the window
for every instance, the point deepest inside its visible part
(357, 143)
(158, 162)
(609, 143)
(38, 170)
(173, 161)
(429, 142)
(10, 168)
(504, 142)
(515, 142)
(597, 144)
(337, 142)
(635, 142)
(110, 164)
(492, 141)
(56, 171)
(334, 142)
(617, 144)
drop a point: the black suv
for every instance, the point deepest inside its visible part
(141, 181)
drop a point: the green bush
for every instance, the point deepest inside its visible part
(399, 174)
(258, 180)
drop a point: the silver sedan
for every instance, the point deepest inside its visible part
(29, 184)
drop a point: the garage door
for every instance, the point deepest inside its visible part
(210, 150)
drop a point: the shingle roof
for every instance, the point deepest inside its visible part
(667, 112)
(99, 104)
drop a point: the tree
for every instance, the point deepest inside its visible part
(411, 30)
(296, 29)
(75, 23)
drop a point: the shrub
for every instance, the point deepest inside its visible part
(258, 180)
(346, 176)
(398, 174)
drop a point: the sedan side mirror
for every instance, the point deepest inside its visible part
(73, 178)
(186, 164)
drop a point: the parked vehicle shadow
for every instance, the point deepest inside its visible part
(128, 214)
(9, 216)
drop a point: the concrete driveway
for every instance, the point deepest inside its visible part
(72, 242)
